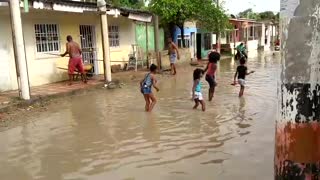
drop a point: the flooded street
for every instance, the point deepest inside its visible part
(106, 135)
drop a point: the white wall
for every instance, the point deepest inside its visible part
(252, 45)
(8, 78)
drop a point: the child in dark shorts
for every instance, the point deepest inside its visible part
(146, 85)
(211, 69)
(242, 72)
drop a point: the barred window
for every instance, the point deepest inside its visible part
(47, 37)
(186, 41)
(114, 39)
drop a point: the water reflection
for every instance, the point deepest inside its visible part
(107, 135)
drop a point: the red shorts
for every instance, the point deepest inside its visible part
(75, 63)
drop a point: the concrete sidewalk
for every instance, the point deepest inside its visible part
(11, 98)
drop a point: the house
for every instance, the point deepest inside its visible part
(45, 28)
(253, 33)
(198, 41)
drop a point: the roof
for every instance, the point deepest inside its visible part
(93, 4)
(70, 2)
(243, 20)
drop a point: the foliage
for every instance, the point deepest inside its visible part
(213, 18)
(267, 15)
(177, 12)
(128, 3)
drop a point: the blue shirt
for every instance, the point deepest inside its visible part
(198, 87)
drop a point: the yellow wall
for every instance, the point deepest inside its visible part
(44, 68)
(127, 38)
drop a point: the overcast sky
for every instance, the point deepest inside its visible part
(236, 6)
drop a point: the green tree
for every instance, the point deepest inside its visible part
(213, 18)
(128, 3)
(177, 12)
(267, 15)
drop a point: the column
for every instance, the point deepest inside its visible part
(105, 40)
(156, 40)
(269, 36)
(263, 35)
(19, 49)
(297, 148)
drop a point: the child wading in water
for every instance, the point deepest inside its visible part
(242, 72)
(211, 69)
(196, 89)
(146, 88)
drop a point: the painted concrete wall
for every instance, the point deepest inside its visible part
(187, 31)
(44, 68)
(141, 36)
(127, 38)
(298, 128)
(185, 57)
(8, 78)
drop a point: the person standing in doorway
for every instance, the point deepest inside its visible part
(173, 55)
(75, 61)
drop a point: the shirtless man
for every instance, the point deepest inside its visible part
(173, 55)
(75, 61)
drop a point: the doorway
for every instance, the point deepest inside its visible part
(199, 45)
(89, 47)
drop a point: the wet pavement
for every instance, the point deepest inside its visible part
(106, 135)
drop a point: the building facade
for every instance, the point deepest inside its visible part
(45, 28)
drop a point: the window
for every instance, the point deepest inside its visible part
(114, 39)
(186, 41)
(207, 41)
(47, 37)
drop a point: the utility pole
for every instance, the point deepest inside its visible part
(219, 33)
(156, 40)
(297, 148)
(147, 45)
(105, 40)
(19, 49)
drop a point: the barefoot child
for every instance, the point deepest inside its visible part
(146, 88)
(242, 72)
(196, 89)
(211, 69)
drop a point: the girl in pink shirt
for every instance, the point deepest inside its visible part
(211, 69)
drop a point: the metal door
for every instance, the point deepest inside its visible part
(89, 47)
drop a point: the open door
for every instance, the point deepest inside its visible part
(199, 42)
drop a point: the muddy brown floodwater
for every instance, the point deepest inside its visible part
(106, 135)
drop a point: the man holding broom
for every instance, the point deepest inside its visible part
(75, 61)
